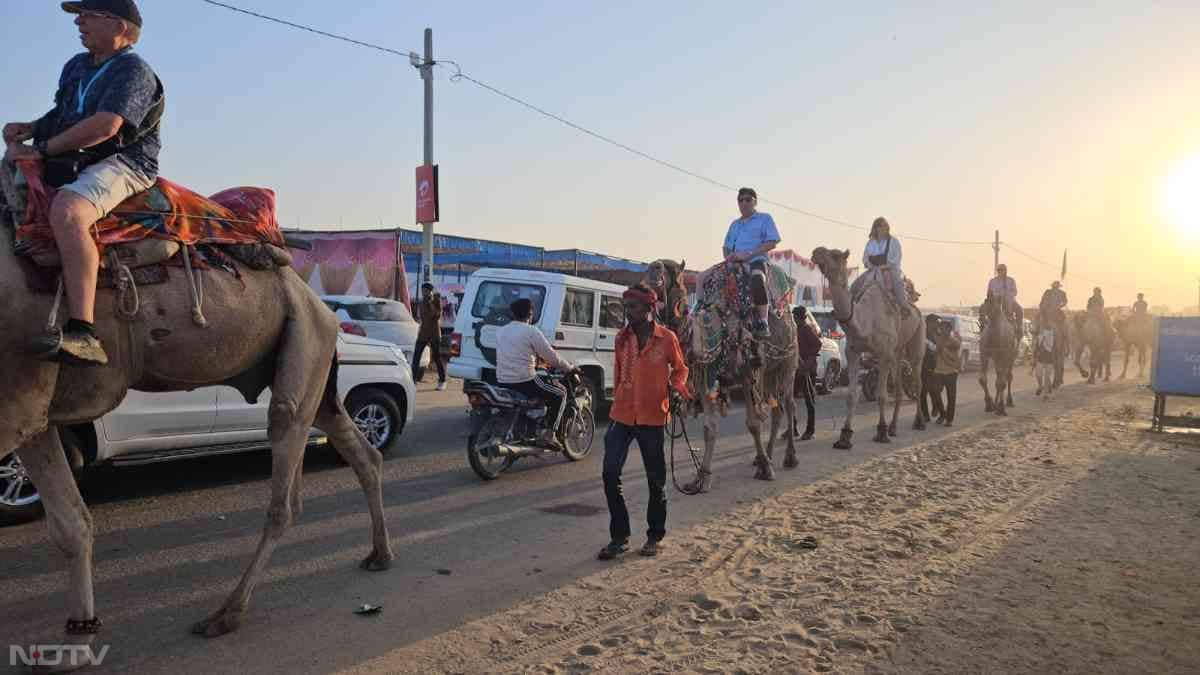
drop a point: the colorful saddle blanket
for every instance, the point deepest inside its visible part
(244, 215)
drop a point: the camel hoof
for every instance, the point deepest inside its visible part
(988, 407)
(881, 435)
(843, 442)
(765, 472)
(1000, 412)
(376, 562)
(892, 430)
(790, 461)
(919, 425)
(218, 624)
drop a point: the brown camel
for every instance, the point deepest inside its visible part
(267, 329)
(1098, 337)
(873, 324)
(766, 384)
(1136, 332)
(997, 346)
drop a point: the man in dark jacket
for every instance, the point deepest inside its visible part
(931, 397)
(805, 385)
(430, 335)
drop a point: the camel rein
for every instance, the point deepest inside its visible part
(676, 429)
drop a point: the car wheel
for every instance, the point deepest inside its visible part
(20, 501)
(377, 415)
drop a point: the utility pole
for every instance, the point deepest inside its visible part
(426, 68)
(996, 252)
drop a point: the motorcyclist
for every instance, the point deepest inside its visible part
(519, 345)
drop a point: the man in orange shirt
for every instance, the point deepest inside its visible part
(648, 361)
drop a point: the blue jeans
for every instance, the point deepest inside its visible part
(650, 441)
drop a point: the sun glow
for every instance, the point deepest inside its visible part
(1181, 198)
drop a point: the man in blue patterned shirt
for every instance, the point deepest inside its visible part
(99, 146)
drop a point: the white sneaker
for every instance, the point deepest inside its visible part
(441, 386)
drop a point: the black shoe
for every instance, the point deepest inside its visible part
(808, 434)
(74, 348)
(614, 550)
(649, 549)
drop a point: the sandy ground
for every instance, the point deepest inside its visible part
(1055, 543)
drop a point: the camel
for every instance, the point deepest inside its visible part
(766, 385)
(873, 324)
(267, 329)
(997, 346)
(1136, 332)
(1097, 334)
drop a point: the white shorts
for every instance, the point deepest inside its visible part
(107, 183)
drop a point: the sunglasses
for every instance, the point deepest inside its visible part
(97, 15)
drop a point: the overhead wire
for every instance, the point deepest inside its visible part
(458, 74)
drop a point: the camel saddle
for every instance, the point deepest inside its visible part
(150, 228)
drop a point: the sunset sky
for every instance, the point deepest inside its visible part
(1060, 127)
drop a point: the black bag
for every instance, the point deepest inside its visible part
(881, 259)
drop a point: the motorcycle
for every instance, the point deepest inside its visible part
(506, 425)
(868, 378)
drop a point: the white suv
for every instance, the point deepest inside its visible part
(374, 381)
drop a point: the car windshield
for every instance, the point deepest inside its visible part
(495, 297)
(381, 310)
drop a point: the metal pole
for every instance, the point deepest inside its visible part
(996, 252)
(427, 76)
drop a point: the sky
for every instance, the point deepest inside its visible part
(1057, 126)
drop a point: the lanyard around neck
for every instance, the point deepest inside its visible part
(81, 94)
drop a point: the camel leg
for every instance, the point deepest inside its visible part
(1125, 367)
(754, 426)
(296, 392)
(1002, 374)
(881, 391)
(899, 397)
(71, 530)
(367, 463)
(988, 406)
(789, 458)
(703, 481)
(844, 441)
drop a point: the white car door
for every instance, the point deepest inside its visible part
(150, 415)
(575, 337)
(234, 414)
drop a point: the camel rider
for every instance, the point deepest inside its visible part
(1054, 302)
(1096, 302)
(1141, 307)
(1005, 287)
(519, 345)
(750, 238)
(99, 146)
(883, 255)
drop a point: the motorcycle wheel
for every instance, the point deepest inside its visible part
(578, 433)
(486, 432)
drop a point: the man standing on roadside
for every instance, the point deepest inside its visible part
(649, 365)
(949, 362)
(430, 335)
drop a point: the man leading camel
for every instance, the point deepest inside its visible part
(750, 238)
(100, 146)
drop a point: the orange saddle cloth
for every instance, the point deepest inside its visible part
(243, 215)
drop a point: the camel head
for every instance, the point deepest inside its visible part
(663, 275)
(833, 264)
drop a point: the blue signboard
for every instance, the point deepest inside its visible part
(1176, 368)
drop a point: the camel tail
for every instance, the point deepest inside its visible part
(330, 399)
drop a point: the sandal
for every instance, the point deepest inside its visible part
(613, 550)
(649, 549)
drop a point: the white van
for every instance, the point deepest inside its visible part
(580, 318)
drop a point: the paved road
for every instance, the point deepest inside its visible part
(172, 540)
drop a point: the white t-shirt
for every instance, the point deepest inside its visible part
(518, 346)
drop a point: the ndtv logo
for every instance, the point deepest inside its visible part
(56, 655)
